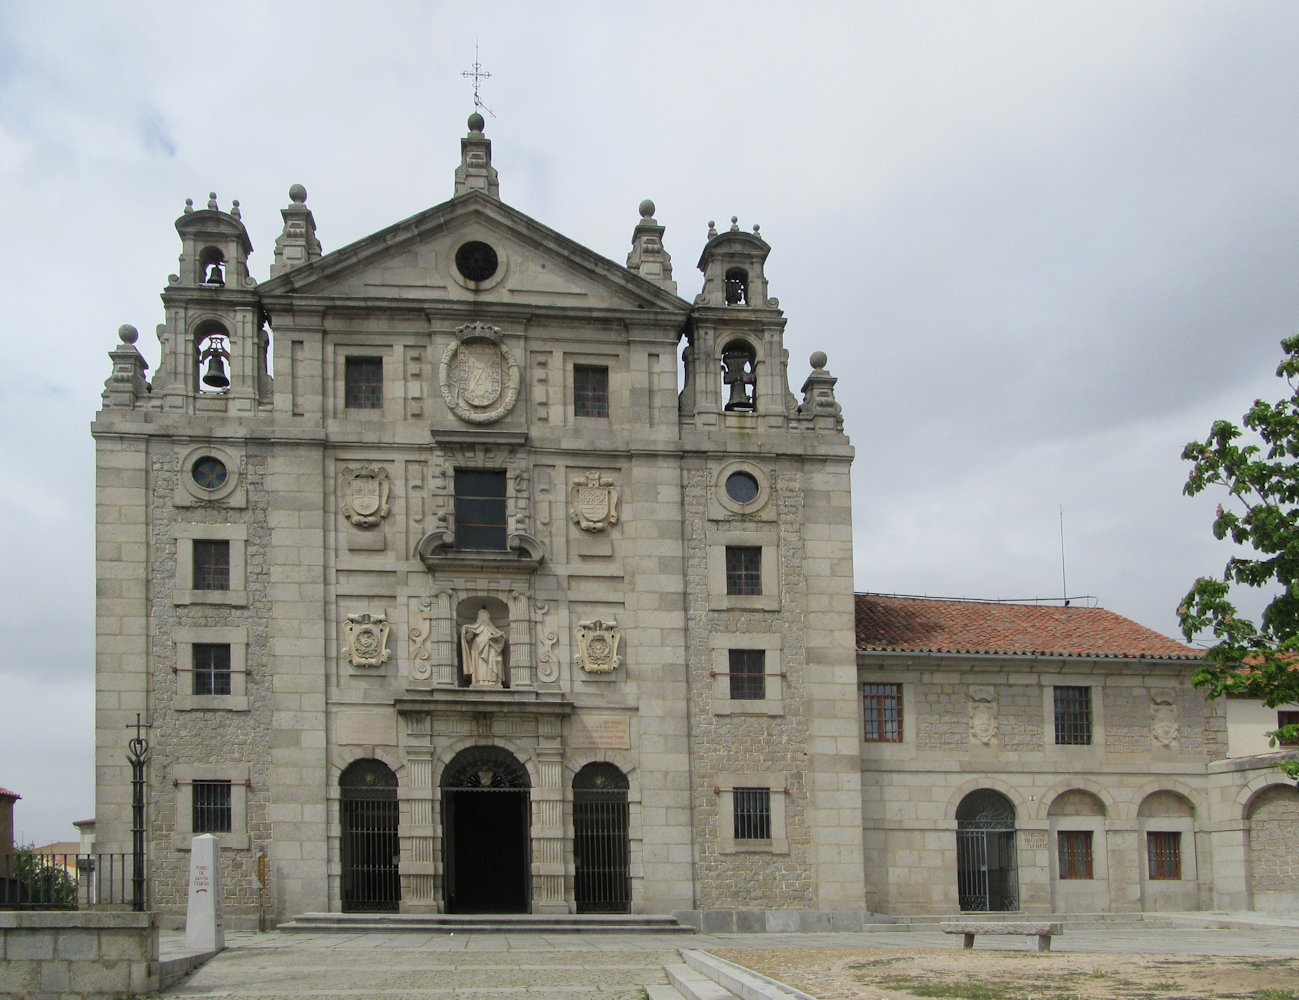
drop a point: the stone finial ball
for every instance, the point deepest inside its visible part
(476, 122)
(127, 334)
(647, 209)
(818, 359)
(297, 194)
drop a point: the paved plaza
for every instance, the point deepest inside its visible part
(541, 966)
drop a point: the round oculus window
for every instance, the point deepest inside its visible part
(210, 473)
(742, 487)
(476, 261)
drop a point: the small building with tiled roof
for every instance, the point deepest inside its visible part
(1054, 759)
(7, 800)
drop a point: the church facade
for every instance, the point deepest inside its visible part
(476, 606)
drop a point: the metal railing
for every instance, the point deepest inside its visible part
(30, 881)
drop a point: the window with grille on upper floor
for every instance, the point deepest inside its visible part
(363, 383)
(743, 569)
(480, 509)
(1075, 853)
(1073, 715)
(590, 391)
(882, 713)
(211, 668)
(211, 564)
(751, 811)
(1164, 854)
(748, 677)
(211, 806)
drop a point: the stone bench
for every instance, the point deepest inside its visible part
(1043, 931)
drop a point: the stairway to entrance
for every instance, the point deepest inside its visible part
(506, 923)
(702, 976)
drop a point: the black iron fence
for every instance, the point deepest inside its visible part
(31, 881)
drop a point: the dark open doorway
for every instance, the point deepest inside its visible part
(486, 820)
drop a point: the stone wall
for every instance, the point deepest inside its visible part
(81, 955)
(1274, 846)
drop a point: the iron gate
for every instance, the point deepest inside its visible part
(987, 873)
(369, 850)
(601, 883)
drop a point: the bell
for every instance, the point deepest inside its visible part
(215, 277)
(216, 373)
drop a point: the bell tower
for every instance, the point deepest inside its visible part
(214, 343)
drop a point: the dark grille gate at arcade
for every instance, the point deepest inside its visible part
(369, 849)
(987, 874)
(601, 883)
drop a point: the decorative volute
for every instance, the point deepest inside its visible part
(476, 172)
(214, 247)
(297, 243)
(648, 257)
(732, 264)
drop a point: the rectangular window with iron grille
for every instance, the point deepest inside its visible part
(882, 707)
(211, 667)
(748, 670)
(743, 569)
(211, 806)
(480, 509)
(752, 813)
(1287, 718)
(1073, 715)
(1164, 854)
(590, 391)
(211, 564)
(1075, 848)
(363, 383)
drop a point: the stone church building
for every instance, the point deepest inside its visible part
(477, 605)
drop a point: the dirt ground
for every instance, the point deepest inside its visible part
(898, 974)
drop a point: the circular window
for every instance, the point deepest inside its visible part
(742, 487)
(476, 261)
(210, 473)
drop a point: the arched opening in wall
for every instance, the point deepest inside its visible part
(212, 357)
(737, 286)
(987, 872)
(369, 848)
(1274, 850)
(601, 882)
(483, 642)
(740, 374)
(211, 267)
(486, 827)
(1079, 864)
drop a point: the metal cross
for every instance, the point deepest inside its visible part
(478, 75)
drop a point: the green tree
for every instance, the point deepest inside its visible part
(1261, 515)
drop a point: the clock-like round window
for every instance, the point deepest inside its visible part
(210, 473)
(742, 487)
(476, 261)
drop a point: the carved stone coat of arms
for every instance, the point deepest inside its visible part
(597, 646)
(364, 495)
(593, 502)
(479, 376)
(367, 639)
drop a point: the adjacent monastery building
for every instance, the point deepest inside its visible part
(476, 606)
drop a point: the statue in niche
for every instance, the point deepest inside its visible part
(482, 645)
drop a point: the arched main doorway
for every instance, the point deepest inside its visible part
(600, 880)
(486, 813)
(369, 847)
(987, 874)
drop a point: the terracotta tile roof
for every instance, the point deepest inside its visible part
(5, 793)
(923, 624)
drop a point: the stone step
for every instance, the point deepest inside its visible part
(663, 993)
(737, 980)
(512, 923)
(694, 985)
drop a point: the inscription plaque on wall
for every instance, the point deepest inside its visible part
(602, 732)
(1034, 840)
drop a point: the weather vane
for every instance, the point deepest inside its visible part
(478, 75)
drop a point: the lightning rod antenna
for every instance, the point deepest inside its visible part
(1064, 580)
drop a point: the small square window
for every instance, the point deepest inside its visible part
(211, 564)
(743, 569)
(882, 713)
(590, 391)
(1287, 718)
(752, 813)
(1075, 847)
(480, 509)
(748, 674)
(211, 667)
(211, 806)
(363, 383)
(1073, 715)
(1164, 854)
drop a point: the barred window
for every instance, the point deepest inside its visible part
(743, 569)
(211, 564)
(1073, 715)
(480, 509)
(748, 674)
(363, 383)
(1164, 854)
(882, 707)
(590, 391)
(1075, 848)
(752, 811)
(1287, 718)
(211, 667)
(211, 802)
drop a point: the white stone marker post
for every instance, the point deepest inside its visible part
(204, 929)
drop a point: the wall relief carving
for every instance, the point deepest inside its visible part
(479, 375)
(593, 502)
(983, 715)
(363, 494)
(597, 646)
(1163, 717)
(367, 639)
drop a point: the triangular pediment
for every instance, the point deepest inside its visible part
(415, 260)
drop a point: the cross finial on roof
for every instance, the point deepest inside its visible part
(478, 75)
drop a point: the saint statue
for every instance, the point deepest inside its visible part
(482, 644)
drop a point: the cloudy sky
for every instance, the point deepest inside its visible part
(1044, 244)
